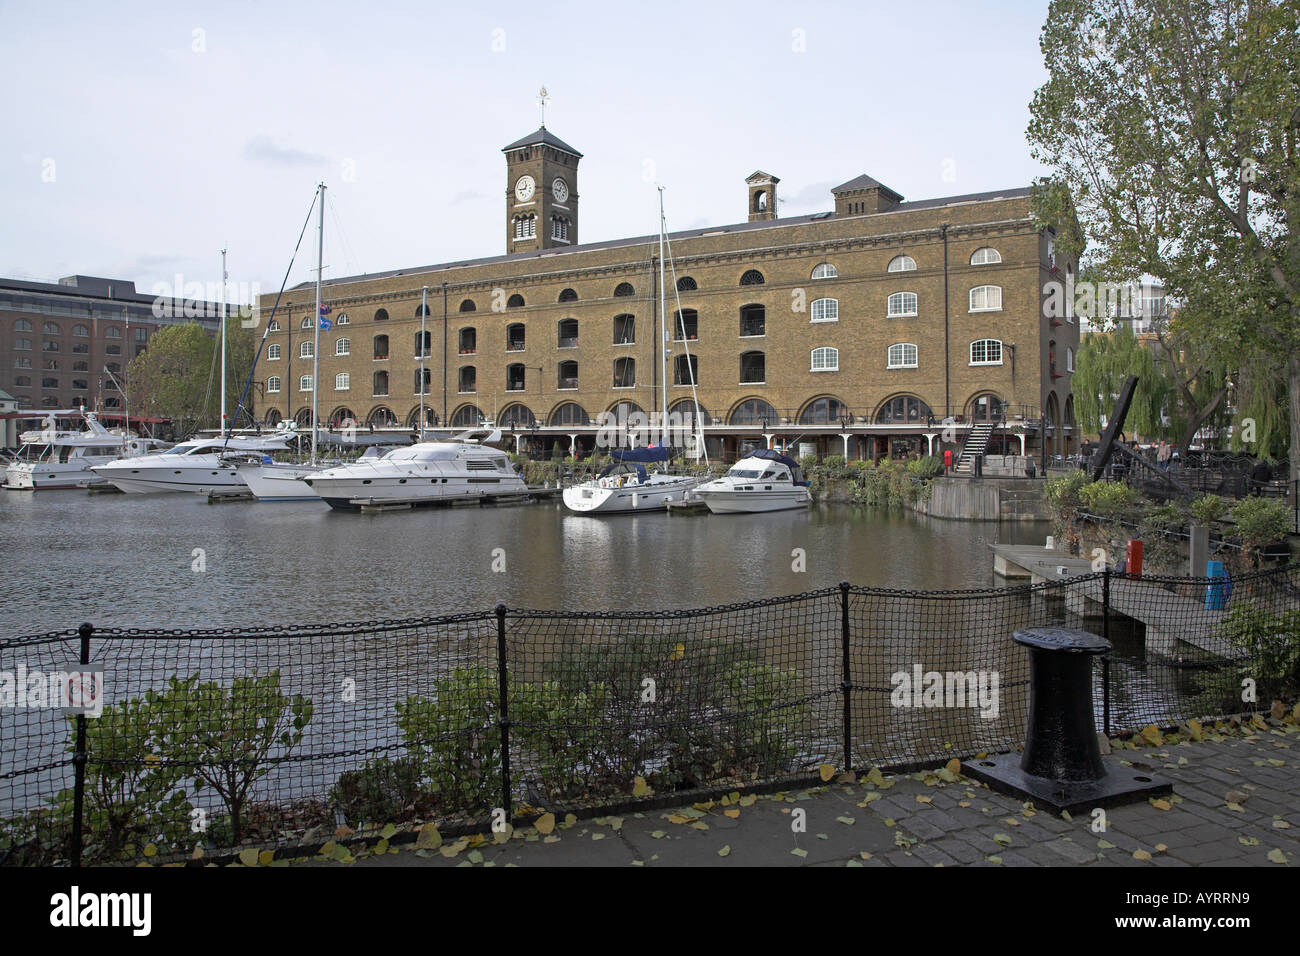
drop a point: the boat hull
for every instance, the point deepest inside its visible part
(26, 477)
(278, 482)
(194, 478)
(586, 499)
(349, 494)
(752, 502)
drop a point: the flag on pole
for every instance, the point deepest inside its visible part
(325, 324)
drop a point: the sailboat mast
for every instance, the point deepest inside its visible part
(663, 324)
(424, 349)
(315, 350)
(222, 300)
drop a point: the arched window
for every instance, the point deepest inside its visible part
(902, 303)
(305, 383)
(987, 408)
(273, 325)
(624, 372)
(413, 419)
(902, 355)
(902, 264)
(624, 290)
(568, 295)
(686, 284)
(566, 376)
(753, 321)
(80, 331)
(986, 352)
(305, 323)
(686, 325)
(1069, 359)
(825, 359)
(343, 418)
(570, 413)
(22, 325)
(343, 319)
(986, 298)
(515, 337)
(624, 330)
(984, 256)
(567, 334)
(560, 228)
(625, 410)
(468, 306)
(823, 411)
(421, 374)
(516, 301)
(51, 328)
(760, 200)
(686, 369)
(423, 344)
(381, 417)
(305, 350)
(342, 382)
(381, 315)
(688, 411)
(113, 331)
(825, 271)
(273, 383)
(754, 411)
(421, 311)
(342, 346)
(902, 410)
(381, 347)
(380, 383)
(303, 418)
(826, 310)
(467, 416)
(25, 381)
(752, 277)
(753, 368)
(468, 340)
(515, 377)
(273, 417)
(467, 379)
(273, 353)
(520, 416)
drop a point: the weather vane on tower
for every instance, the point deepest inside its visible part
(542, 97)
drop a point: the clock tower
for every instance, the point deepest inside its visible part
(541, 193)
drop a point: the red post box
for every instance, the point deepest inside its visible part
(1133, 558)
(947, 459)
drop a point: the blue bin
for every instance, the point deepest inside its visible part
(1217, 591)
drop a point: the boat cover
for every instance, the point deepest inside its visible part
(651, 453)
(771, 454)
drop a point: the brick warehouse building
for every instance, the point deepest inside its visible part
(857, 330)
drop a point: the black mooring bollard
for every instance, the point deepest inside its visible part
(1062, 767)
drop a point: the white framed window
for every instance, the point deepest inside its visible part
(273, 383)
(305, 383)
(902, 355)
(1069, 359)
(984, 256)
(273, 325)
(343, 319)
(825, 359)
(825, 271)
(826, 310)
(343, 347)
(986, 298)
(304, 350)
(902, 264)
(342, 382)
(273, 353)
(902, 303)
(306, 322)
(986, 352)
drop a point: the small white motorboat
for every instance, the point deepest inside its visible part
(626, 486)
(765, 480)
(195, 466)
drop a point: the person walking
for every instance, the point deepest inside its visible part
(1162, 455)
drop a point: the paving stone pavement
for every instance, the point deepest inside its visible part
(933, 818)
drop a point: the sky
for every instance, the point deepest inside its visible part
(142, 138)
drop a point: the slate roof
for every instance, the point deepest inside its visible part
(542, 136)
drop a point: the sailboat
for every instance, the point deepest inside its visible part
(627, 485)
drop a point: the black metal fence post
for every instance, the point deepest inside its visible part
(846, 684)
(504, 721)
(79, 759)
(1105, 661)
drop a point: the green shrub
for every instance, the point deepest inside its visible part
(1259, 522)
(808, 463)
(1106, 499)
(927, 466)
(454, 739)
(763, 734)
(1272, 641)
(833, 465)
(1208, 509)
(382, 791)
(558, 727)
(227, 734)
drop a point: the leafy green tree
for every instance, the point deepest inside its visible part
(1172, 129)
(168, 379)
(1104, 361)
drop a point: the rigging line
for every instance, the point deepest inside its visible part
(345, 246)
(695, 396)
(212, 371)
(274, 309)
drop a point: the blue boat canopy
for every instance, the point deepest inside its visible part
(771, 454)
(652, 453)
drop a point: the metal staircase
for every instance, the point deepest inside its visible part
(977, 441)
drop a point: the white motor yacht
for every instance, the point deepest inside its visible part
(626, 486)
(50, 459)
(195, 466)
(765, 480)
(463, 468)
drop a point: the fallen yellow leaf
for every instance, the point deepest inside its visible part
(826, 771)
(545, 823)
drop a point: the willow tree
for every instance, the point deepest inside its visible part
(1105, 359)
(1172, 128)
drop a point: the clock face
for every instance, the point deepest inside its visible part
(525, 188)
(560, 189)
